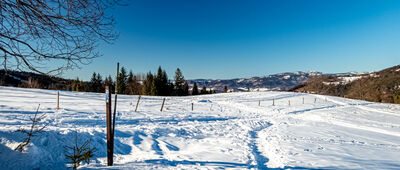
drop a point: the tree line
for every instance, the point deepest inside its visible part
(151, 84)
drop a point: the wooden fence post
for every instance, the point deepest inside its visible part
(289, 102)
(137, 104)
(259, 103)
(315, 100)
(162, 105)
(273, 102)
(108, 128)
(58, 100)
(303, 100)
(192, 106)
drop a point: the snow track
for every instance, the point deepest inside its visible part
(224, 131)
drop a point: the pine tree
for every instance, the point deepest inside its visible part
(130, 84)
(165, 84)
(171, 89)
(108, 82)
(195, 90)
(95, 83)
(121, 81)
(225, 89)
(161, 83)
(78, 85)
(153, 89)
(137, 89)
(203, 90)
(99, 82)
(148, 85)
(179, 83)
(186, 89)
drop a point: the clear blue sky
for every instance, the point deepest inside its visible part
(221, 39)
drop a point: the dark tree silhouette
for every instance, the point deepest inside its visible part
(195, 89)
(179, 83)
(52, 36)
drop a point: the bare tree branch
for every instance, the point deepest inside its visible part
(53, 34)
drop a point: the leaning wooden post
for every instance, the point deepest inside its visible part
(315, 100)
(115, 112)
(115, 101)
(273, 102)
(137, 104)
(192, 106)
(58, 100)
(108, 128)
(162, 105)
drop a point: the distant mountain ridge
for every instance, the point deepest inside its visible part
(279, 82)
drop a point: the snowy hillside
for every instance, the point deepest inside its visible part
(226, 130)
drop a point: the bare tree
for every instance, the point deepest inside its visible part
(49, 36)
(78, 154)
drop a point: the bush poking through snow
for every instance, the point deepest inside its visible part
(78, 154)
(32, 132)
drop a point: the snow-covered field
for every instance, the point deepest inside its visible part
(224, 131)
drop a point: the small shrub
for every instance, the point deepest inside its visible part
(79, 154)
(32, 132)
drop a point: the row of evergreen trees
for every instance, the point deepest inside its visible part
(139, 84)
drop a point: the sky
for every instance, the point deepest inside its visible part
(223, 39)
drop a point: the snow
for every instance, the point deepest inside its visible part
(350, 79)
(332, 83)
(228, 130)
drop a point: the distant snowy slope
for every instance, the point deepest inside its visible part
(230, 130)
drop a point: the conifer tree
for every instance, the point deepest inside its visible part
(225, 89)
(148, 84)
(153, 89)
(203, 90)
(161, 83)
(179, 83)
(130, 85)
(109, 82)
(171, 91)
(186, 89)
(165, 84)
(137, 89)
(100, 88)
(121, 81)
(92, 83)
(78, 85)
(95, 83)
(195, 90)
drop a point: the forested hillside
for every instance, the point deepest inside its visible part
(381, 86)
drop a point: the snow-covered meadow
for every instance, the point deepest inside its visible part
(226, 130)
